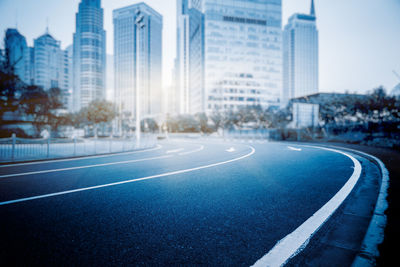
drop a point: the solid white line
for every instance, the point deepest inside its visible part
(82, 167)
(193, 151)
(128, 181)
(175, 150)
(296, 241)
(294, 149)
(81, 158)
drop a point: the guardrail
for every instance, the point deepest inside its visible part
(21, 149)
(263, 134)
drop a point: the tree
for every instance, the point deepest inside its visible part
(55, 119)
(11, 89)
(217, 119)
(42, 107)
(149, 125)
(203, 121)
(35, 103)
(100, 111)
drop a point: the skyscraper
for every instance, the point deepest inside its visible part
(52, 66)
(137, 59)
(18, 54)
(243, 54)
(48, 59)
(89, 54)
(300, 54)
(189, 84)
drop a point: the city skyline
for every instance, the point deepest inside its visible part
(347, 34)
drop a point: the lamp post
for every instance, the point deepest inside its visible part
(140, 24)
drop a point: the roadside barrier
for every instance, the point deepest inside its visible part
(22, 149)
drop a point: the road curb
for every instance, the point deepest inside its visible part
(369, 252)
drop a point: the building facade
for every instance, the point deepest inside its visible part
(189, 84)
(243, 53)
(305, 115)
(68, 62)
(52, 67)
(18, 54)
(48, 62)
(300, 54)
(89, 54)
(138, 59)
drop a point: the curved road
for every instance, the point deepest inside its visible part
(182, 203)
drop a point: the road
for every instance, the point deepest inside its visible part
(199, 202)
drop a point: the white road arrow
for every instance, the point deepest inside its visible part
(294, 149)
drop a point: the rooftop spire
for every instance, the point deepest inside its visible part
(312, 13)
(47, 25)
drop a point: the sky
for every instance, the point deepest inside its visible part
(359, 39)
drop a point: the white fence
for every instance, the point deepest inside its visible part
(20, 149)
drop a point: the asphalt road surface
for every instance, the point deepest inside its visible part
(181, 203)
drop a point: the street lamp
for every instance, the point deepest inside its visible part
(140, 24)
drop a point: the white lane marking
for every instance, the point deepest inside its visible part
(193, 151)
(175, 150)
(81, 158)
(128, 181)
(82, 167)
(296, 241)
(230, 150)
(294, 148)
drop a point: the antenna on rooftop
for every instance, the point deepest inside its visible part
(47, 25)
(16, 19)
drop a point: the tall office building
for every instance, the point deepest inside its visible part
(52, 66)
(137, 59)
(300, 54)
(89, 54)
(189, 83)
(48, 58)
(110, 78)
(243, 54)
(18, 54)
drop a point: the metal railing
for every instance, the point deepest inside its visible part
(254, 134)
(21, 149)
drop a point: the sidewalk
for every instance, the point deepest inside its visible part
(391, 158)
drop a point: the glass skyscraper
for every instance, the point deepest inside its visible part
(137, 59)
(51, 66)
(300, 53)
(18, 53)
(47, 62)
(189, 84)
(243, 53)
(89, 54)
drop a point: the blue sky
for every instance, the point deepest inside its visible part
(359, 39)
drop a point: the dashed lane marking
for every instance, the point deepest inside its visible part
(175, 150)
(191, 152)
(294, 148)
